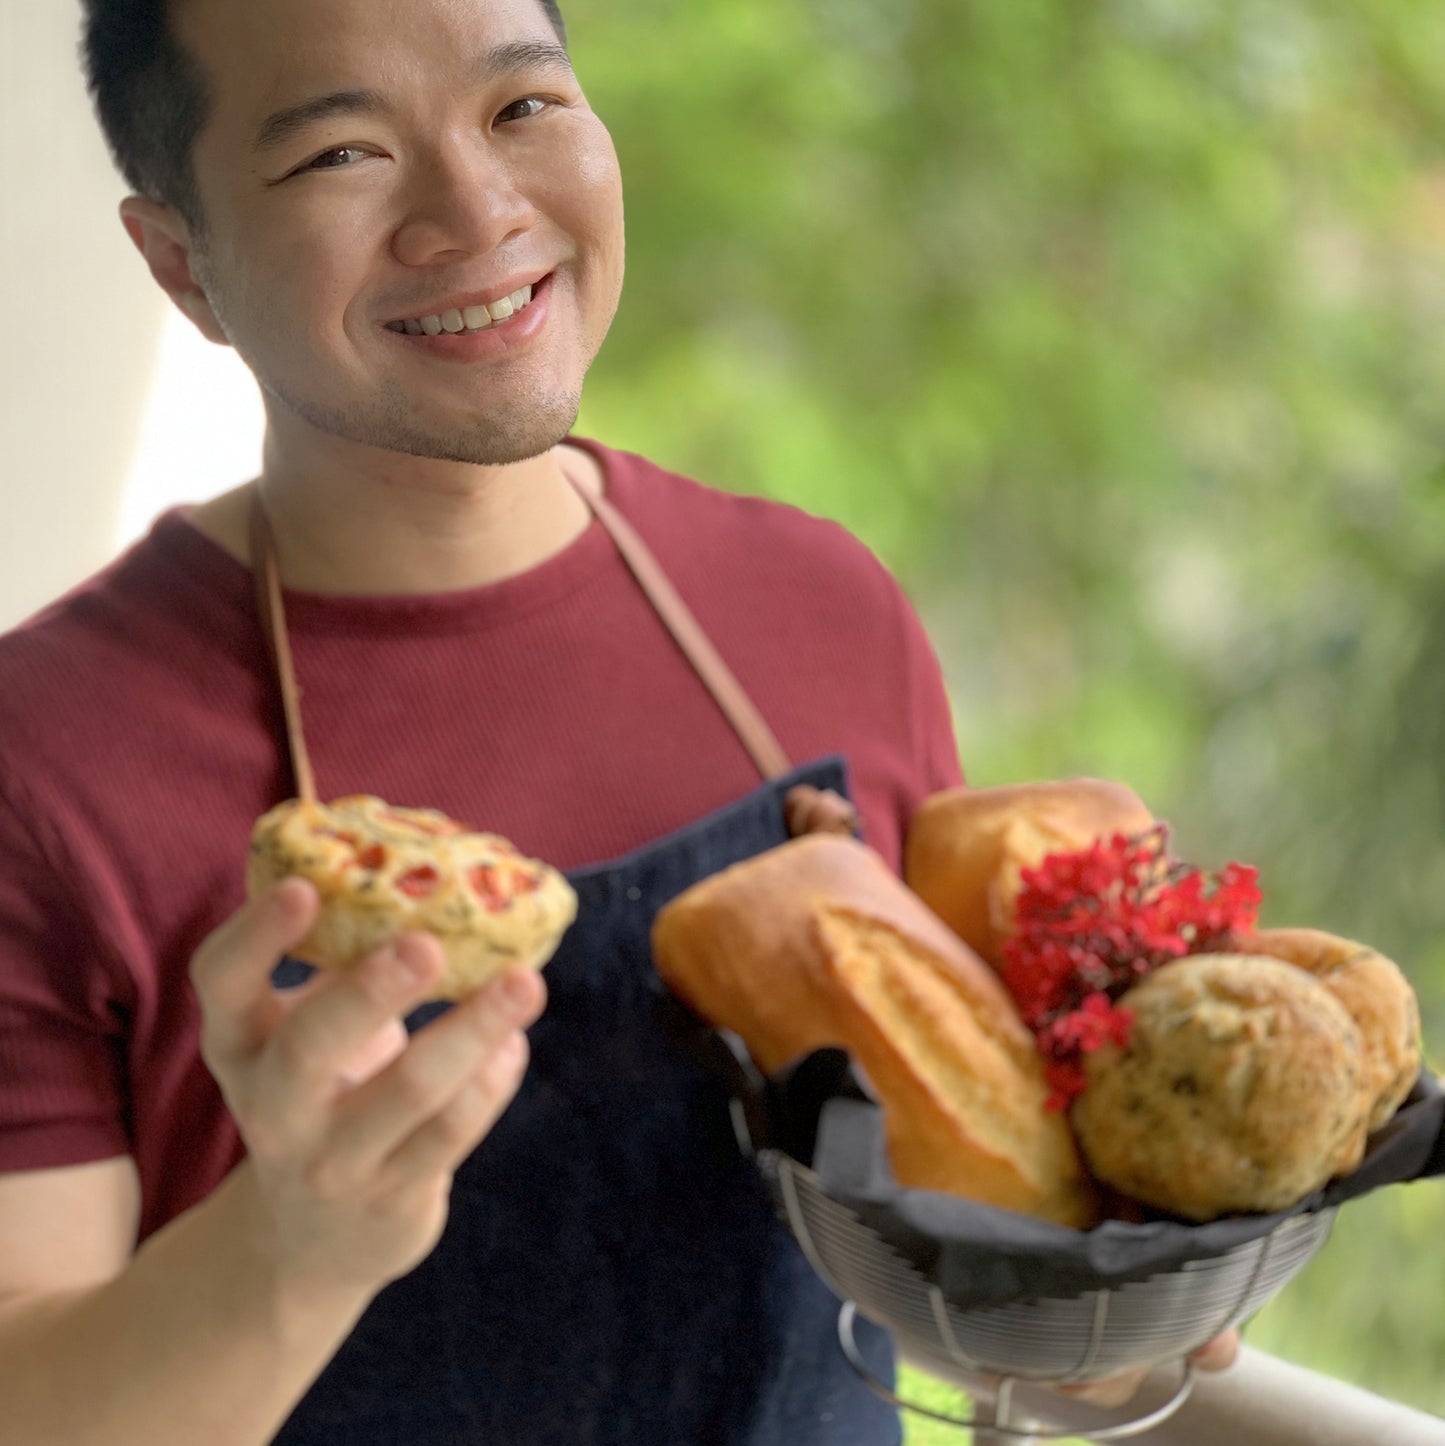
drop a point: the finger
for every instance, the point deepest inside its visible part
(440, 1145)
(436, 1066)
(1219, 1354)
(231, 971)
(378, 1052)
(311, 1048)
(1116, 1390)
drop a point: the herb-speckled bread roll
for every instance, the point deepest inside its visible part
(381, 871)
(1376, 995)
(815, 944)
(1242, 1088)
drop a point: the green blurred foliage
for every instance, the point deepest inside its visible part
(1111, 325)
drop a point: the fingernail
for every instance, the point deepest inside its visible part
(408, 961)
(287, 895)
(507, 1056)
(514, 992)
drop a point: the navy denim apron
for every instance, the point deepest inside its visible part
(611, 1273)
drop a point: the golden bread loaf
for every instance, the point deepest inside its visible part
(815, 944)
(1376, 995)
(968, 847)
(1241, 1088)
(380, 871)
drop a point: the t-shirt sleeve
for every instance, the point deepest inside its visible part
(919, 742)
(62, 1094)
(935, 744)
(913, 743)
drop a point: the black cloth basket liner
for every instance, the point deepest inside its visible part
(819, 1112)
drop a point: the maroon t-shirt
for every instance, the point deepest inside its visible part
(140, 738)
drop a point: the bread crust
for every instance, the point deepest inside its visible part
(967, 848)
(1241, 1088)
(381, 871)
(815, 944)
(1376, 995)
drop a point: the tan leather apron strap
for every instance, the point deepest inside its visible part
(273, 625)
(697, 648)
(807, 809)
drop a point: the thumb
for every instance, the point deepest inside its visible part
(1219, 1354)
(232, 969)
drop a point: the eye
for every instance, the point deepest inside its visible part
(523, 109)
(327, 161)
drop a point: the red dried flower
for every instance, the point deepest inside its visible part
(1091, 923)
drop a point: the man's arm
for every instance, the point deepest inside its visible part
(215, 1328)
(198, 1338)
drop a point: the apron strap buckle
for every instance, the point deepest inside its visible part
(818, 810)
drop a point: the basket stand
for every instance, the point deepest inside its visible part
(993, 1401)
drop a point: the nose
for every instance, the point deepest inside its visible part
(464, 201)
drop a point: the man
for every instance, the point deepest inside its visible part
(233, 1214)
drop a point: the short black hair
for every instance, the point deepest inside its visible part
(152, 98)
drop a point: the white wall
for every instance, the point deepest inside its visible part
(111, 405)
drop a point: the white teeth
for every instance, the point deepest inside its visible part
(472, 318)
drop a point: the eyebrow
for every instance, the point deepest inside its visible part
(502, 60)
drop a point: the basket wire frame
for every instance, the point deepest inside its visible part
(994, 1408)
(1049, 1341)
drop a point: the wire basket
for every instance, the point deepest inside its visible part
(1095, 1334)
(985, 1333)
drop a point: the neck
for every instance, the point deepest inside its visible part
(392, 525)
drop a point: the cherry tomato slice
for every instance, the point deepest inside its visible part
(489, 885)
(419, 882)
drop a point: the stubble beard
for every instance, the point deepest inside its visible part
(390, 425)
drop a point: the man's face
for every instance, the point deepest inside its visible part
(477, 170)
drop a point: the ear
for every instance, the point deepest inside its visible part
(164, 239)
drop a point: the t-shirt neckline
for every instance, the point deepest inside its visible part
(461, 610)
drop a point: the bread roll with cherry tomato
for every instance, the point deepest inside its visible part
(382, 871)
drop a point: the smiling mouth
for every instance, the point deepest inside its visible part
(470, 320)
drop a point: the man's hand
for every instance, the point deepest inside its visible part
(1218, 1355)
(353, 1131)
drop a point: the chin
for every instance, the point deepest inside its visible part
(497, 440)
(500, 441)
